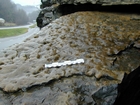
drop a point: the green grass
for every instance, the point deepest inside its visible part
(12, 32)
(33, 26)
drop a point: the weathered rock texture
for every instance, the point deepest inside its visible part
(75, 90)
(109, 43)
(52, 9)
(102, 2)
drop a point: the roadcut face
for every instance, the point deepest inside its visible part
(108, 42)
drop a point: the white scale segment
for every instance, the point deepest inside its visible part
(57, 64)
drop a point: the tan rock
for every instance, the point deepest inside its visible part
(96, 37)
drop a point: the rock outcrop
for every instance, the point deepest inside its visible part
(76, 2)
(108, 42)
(53, 9)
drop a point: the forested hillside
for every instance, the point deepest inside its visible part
(11, 14)
(31, 11)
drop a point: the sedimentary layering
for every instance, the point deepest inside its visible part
(102, 2)
(53, 9)
(109, 44)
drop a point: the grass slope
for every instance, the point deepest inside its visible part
(33, 26)
(12, 32)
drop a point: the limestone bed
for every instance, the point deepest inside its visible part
(108, 42)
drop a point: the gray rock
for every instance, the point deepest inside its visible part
(102, 2)
(73, 90)
(63, 7)
(106, 95)
(108, 42)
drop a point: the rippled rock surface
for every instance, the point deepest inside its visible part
(109, 43)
